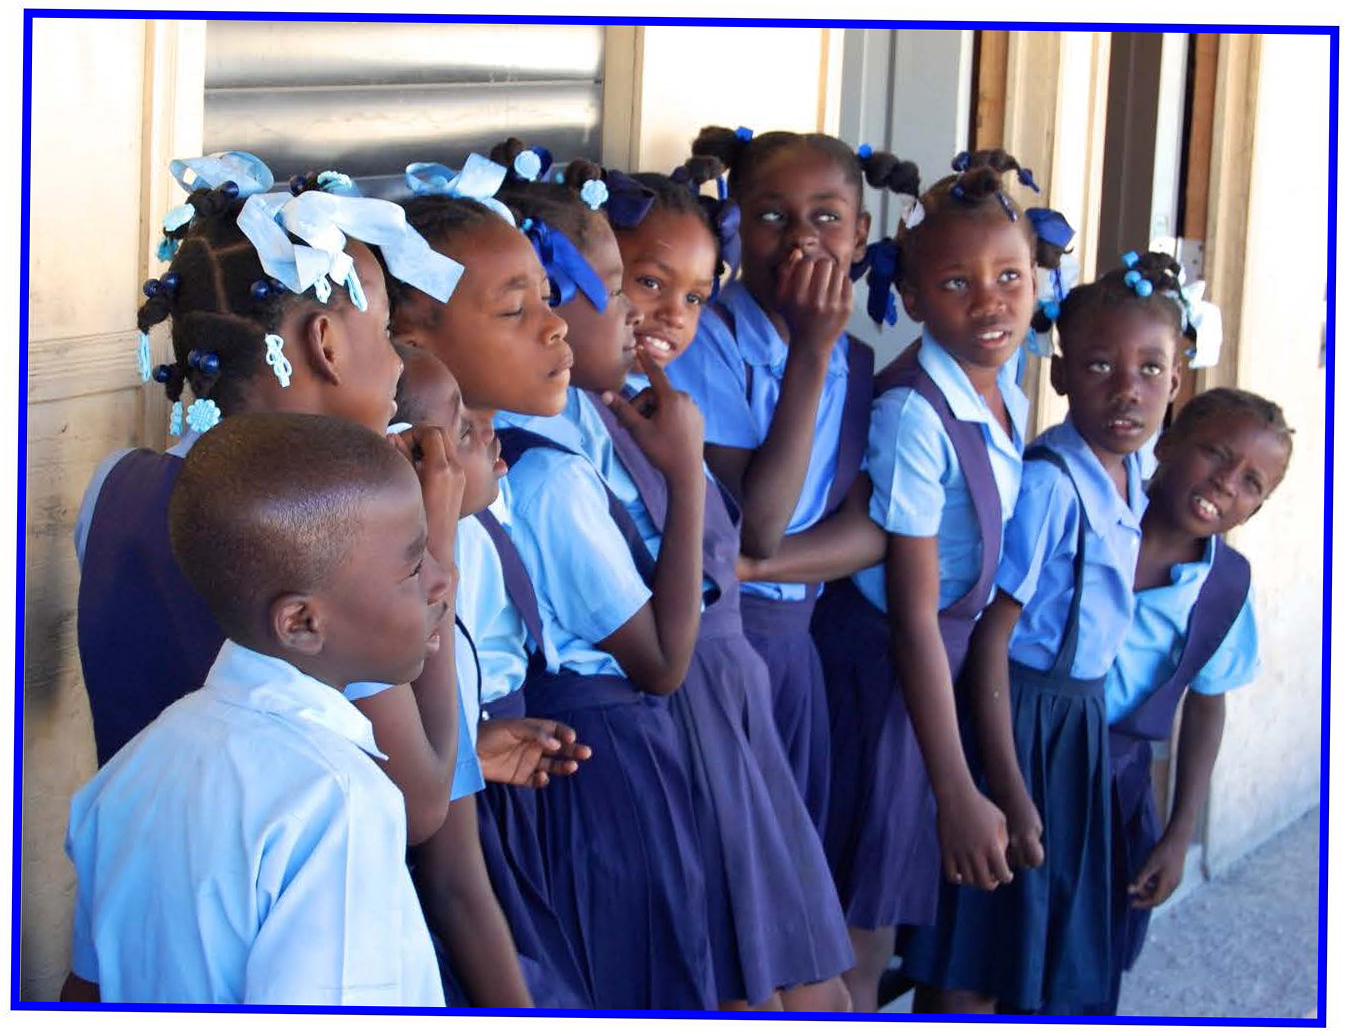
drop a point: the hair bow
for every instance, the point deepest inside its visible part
(725, 218)
(480, 180)
(882, 262)
(628, 201)
(1051, 226)
(566, 267)
(247, 171)
(324, 221)
(338, 183)
(531, 165)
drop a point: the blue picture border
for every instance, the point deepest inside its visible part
(31, 14)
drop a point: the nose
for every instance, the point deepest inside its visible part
(554, 328)
(1223, 477)
(802, 234)
(672, 312)
(985, 300)
(633, 315)
(435, 579)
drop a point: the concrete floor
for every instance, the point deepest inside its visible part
(1242, 946)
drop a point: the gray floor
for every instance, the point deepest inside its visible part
(1244, 945)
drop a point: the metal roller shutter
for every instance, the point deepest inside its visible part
(369, 97)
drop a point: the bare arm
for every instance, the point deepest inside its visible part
(814, 296)
(843, 543)
(463, 910)
(988, 677)
(971, 829)
(1198, 745)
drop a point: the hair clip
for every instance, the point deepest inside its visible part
(881, 260)
(275, 357)
(143, 357)
(151, 287)
(527, 166)
(1143, 288)
(864, 151)
(594, 193)
(205, 362)
(203, 414)
(175, 418)
(170, 282)
(178, 217)
(297, 182)
(1006, 206)
(322, 289)
(911, 212)
(743, 133)
(525, 225)
(1026, 179)
(168, 247)
(1052, 309)
(230, 189)
(961, 161)
(957, 192)
(356, 290)
(162, 373)
(260, 289)
(337, 183)
(1131, 278)
(726, 219)
(1130, 258)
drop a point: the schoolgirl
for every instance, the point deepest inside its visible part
(1038, 660)
(770, 925)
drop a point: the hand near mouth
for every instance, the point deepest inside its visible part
(814, 296)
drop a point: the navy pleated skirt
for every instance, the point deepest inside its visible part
(622, 851)
(779, 631)
(880, 838)
(1045, 937)
(508, 823)
(774, 916)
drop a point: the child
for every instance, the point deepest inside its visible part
(774, 920)
(786, 392)
(246, 341)
(242, 849)
(1039, 657)
(946, 435)
(516, 753)
(1223, 456)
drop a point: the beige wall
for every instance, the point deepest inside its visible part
(1268, 771)
(103, 102)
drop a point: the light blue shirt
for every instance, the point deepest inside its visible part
(467, 776)
(712, 371)
(1154, 644)
(245, 848)
(1037, 566)
(919, 487)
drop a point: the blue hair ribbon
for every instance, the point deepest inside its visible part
(247, 171)
(726, 218)
(881, 262)
(1051, 226)
(566, 267)
(323, 221)
(479, 179)
(338, 183)
(628, 201)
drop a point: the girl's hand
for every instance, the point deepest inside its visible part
(1161, 873)
(1024, 826)
(442, 482)
(973, 839)
(745, 568)
(528, 752)
(665, 423)
(815, 298)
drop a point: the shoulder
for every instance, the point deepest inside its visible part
(544, 476)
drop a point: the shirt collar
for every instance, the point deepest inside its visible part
(271, 685)
(1197, 570)
(1103, 506)
(964, 401)
(756, 336)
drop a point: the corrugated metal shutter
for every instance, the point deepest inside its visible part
(369, 97)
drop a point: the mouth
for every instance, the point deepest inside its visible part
(562, 370)
(659, 348)
(1205, 509)
(994, 338)
(1125, 426)
(432, 643)
(498, 465)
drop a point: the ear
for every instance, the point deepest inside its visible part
(297, 624)
(862, 223)
(1058, 374)
(1163, 447)
(911, 302)
(321, 338)
(1175, 376)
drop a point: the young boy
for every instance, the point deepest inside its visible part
(245, 848)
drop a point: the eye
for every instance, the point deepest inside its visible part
(417, 571)
(695, 300)
(1254, 482)
(827, 217)
(771, 217)
(648, 282)
(953, 283)
(1010, 275)
(1099, 365)
(1152, 369)
(617, 292)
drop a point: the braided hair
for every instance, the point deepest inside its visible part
(1224, 402)
(220, 301)
(976, 189)
(743, 154)
(1148, 282)
(556, 202)
(679, 193)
